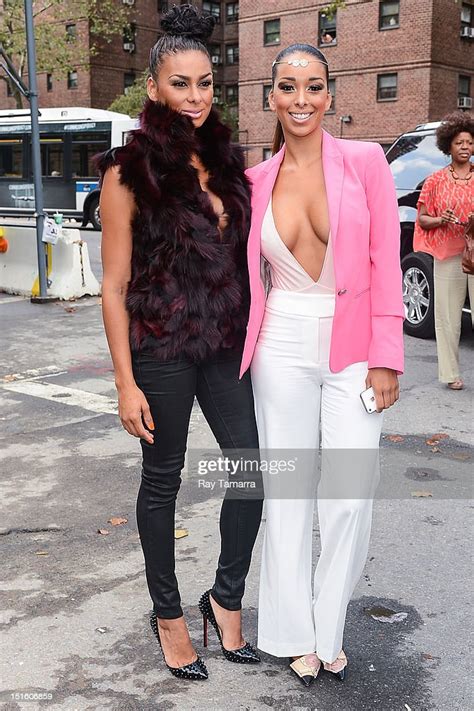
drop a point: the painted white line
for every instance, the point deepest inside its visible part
(12, 299)
(45, 372)
(67, 396)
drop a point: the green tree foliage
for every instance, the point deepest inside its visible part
(97, 22)
(131, 103)
(333, 7)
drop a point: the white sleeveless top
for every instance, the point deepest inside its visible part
(285, 270)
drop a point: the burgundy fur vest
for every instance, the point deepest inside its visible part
(188, 294)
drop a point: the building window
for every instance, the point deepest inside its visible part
(72, 80)
(232, 94)
(128, 37)
(387, 87)
(215, 50)
(467, 29)
(71, 33)
(212, 8)
(217, 94)
(163, 5)
(271, 32)
(327, 28)
(128, 81)
(389, 17)
(466, 15)
(49, 82)
(266, 90)
(232, 54)
(464, 92)
(267, 153)
(232, 12)
(332, 89)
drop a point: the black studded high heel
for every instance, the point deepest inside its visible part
(245, 655)
(195, 670)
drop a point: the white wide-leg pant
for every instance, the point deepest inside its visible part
(293, 389)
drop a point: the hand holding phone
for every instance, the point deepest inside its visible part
(368, 400)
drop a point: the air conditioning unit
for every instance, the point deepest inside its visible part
(215, 59)
(464, 102)
(129, 46)
(467, 32)
(128, 2)
(215, 99)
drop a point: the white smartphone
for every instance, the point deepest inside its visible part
(368, 400)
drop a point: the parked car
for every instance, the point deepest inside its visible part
(412, 158)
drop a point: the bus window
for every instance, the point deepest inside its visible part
(11, 157)
(84, 148)
(52, 156)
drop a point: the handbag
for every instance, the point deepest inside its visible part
(468, 253)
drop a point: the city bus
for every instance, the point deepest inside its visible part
(69, 137)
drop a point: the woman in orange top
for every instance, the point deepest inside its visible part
(444, 206)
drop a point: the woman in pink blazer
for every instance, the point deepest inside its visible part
(325, 229)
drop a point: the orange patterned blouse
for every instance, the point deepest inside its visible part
(440, 192)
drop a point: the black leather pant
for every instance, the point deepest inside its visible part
(227, 404)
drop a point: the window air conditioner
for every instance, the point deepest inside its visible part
(129, 46)
(464, 102)
(467, 32)
(215, 99)
(215, 59)
(128, 2)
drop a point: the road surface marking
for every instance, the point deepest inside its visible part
(68, 396)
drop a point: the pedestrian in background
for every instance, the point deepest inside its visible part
(445, 203)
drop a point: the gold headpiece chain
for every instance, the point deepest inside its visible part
(299, 62)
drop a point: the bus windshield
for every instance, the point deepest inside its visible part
(69, 139)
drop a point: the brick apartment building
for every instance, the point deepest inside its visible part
(117, 64)
(393, 63)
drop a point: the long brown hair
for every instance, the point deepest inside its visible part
(278, 138)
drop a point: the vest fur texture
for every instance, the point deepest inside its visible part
(188, 294)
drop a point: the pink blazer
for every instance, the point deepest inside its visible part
(365, 233)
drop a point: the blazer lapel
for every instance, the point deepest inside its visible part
(261, 193)
(333, 168)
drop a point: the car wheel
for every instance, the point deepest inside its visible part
(94, 213)
(418, 295)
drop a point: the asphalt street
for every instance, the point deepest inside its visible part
(74, 606)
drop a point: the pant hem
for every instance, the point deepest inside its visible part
(289, 649)
(168, 614)
(232, 608)
(328, 658)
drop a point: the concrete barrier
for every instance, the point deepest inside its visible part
(68, 266)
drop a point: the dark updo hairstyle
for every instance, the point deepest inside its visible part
(278, 138)
(185, 29)
(452, 124)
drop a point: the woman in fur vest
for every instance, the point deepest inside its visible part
(175, 210)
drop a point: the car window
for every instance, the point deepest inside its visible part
(413, 157)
